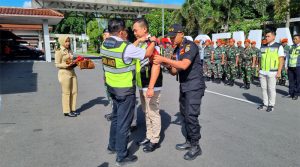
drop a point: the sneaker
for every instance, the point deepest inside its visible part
(262, 107)
(270, 108)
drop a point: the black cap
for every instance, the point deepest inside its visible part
(174, 29)
(105, 30)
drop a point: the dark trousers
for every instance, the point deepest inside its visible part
(190, 109)
(294, 81)
(122, 115)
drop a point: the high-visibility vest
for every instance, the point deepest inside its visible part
(138, 68)
(270, 58)
(293, 58)
(119, 76)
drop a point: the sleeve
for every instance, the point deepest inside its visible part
(58, 61)
(237, 52)
(281, 52)
(133, 52)
(190, 52)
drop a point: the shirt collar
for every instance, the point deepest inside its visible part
(117, 38)
(271, 43)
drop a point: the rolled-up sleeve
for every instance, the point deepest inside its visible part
(281, 52)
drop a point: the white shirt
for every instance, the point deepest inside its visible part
(280, 54)
(132, 52)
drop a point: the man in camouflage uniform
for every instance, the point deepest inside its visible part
(232, 56)
(218, 61)
(239, 68)
(208, 54)
(286, 47)
(255, 70)
(168, 50)
(248, 61)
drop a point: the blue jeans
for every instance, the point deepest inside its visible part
(122, 115)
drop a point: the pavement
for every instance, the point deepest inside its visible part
(34, 132)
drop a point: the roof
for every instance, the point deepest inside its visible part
(30, 12)
(12, 15)
(21, 27)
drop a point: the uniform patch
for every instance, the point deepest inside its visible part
(182, 51)
(187, 48)
(109, 62)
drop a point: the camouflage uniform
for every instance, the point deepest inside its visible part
(247, 57)
(207, 66)
(255, 70)
(231, 54)
(239, 67)
(168, 52)
(217, 67)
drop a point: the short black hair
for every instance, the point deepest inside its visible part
(270, 30)
(296, 35)
(143, 22)
(116, 25)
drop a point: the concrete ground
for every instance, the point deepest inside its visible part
(34, 132)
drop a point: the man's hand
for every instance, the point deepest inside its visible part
(153, 38)
(158, 59)
(278, 75)
(150, 92)
(143, 39)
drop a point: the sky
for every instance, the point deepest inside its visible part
(26, 3)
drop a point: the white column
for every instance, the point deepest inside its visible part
(74, 43)
(46, 41)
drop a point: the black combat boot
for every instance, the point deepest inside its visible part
(184, 146)
(193, 152)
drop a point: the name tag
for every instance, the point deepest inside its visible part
(109, 62)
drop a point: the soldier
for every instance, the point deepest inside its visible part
(208, 54)
(232, 57)
(254, 68)
(169, 50)
(239, 68)
(248, 62)
(284, 76)
(192, 88)
(218, 61)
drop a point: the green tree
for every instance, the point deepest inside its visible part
(94, 32)
(155, 21)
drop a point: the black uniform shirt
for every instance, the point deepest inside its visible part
(192, 77)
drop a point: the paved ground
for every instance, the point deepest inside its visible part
(34, 133)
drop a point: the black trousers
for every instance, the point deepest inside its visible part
(190, 103)
(122, 116)
(294, 81)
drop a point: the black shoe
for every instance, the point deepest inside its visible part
(218, 80)
(231, 83)
(110, 150)
(270, 108)
(143, 142)
(248, 86)
(207, 78)
(108, 117)
(75, 112)
(184, 146)
(150, 147)
(243, 86)
(295, 98)
(127, 160)
(133, 128)
(193, 153)
(262, 107)
(70, 115)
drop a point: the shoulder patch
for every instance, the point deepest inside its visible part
(187, 48)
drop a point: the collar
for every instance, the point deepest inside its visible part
(117, 38)
(271, 43)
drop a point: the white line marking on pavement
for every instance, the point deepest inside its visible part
(231, 97)
(0, 103)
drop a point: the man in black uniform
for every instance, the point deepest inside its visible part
(192, 87)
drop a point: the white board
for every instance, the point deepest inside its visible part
(284, 33)
(256, 35)
(215, 37)
(202, 38)
(239, 36)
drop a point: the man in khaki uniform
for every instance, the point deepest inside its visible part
(66, 76)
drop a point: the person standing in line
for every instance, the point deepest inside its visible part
(271, 62)
(294, 69)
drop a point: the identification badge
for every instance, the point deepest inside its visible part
(109, 62)
(187, 48)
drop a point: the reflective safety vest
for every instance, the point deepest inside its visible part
(293, 58)
(119, 76)
(138, 68)
(270, 58)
